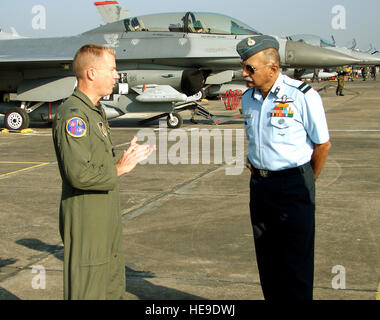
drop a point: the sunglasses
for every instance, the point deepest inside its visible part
(251, 69)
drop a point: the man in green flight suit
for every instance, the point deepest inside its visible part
(89, 218)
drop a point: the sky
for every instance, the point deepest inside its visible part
(344, 19)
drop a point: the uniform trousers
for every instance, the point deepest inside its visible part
(283, 221)
(340, 86)
(91, 230)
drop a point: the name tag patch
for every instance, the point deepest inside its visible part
(76, 127)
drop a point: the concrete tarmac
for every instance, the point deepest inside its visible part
(187, 231)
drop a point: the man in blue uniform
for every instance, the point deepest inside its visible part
(288, 143)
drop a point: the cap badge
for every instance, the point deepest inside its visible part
(251, 42)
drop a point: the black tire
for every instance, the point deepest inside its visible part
(16, 119)
(175, 122)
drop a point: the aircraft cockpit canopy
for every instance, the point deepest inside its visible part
(313, 40)
(189, 22)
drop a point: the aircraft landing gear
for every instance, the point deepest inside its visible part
(174, 120)
(16, 119)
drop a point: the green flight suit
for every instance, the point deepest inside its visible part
(89, 216)
(340, 86)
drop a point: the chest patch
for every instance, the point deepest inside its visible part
(76, 127)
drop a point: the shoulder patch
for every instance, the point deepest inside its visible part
(76, 127)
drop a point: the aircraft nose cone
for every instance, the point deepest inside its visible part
(305, 55)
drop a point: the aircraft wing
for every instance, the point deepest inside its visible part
(46, 89)
(9, 59)
(30, 51)
(22, 59)
(33, 66)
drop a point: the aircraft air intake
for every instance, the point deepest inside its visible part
(192, 81)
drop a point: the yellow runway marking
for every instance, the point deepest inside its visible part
(35, 165)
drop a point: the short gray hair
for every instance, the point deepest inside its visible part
(272, 56)
(88, 53)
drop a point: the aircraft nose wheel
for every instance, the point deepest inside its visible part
(174, 120)
(16, 119)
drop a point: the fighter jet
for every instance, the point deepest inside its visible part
(164, 61)
(111, 11)
(364, 58)
(10, 36)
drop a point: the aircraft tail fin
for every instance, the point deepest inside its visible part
(111, 11)
(333, 40)
(353, 45)
(370, 49)
(14, 32)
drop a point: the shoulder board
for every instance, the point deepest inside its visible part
(304, 87)
(300, 85)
